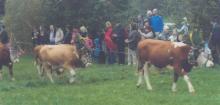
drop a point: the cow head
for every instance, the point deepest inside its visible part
(79, 63)
(193, 55)
(191, 59)
(84, 57)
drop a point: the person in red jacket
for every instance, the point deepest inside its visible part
(110, 45)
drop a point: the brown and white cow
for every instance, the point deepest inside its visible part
(161, 54)
(63, 57)
(5, 61)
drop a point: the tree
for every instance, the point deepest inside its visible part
(22, 15)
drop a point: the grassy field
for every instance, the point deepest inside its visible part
(106, 85)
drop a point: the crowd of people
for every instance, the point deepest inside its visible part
(111, 44)
(117, 41)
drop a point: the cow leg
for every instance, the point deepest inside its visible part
(10, 66)
(39, 69)
(140, 78)
(1, 73)
(44, 68)
(47, 69)
(69, 67)
(218, 53)
(72, 75)
(140, 72)
(175, 79)
(49, 75)
(146, 76)
(188, 82)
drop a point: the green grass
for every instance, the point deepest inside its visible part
(106, 85)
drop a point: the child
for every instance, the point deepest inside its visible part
(173, 37)
(88, 43)
(97, 49)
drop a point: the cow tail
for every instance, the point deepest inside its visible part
(140, 64)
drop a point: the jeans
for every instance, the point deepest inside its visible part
(132, 57)
(111, 57)
(121, 55)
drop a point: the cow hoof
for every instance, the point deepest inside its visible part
(193, 93)
(138, 86)
(88, 64)
(150, 89)
(192, 90)
(12, 79)
(174, 91)
(52, 81)
(71, 80)
(16, 61)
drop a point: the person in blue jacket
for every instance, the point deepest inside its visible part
(156, 23)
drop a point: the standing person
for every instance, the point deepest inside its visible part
(42, 38)
(146, 32)
(184, 30)
(35, 35)
(140, 21)
(173, 36)
(59, 36)
(133, 39)
(88, 43)
(97, 48)
(52, 34)
(120, 34)
(75, 34)
(149, 14)
(103, 53)
(67, 35)
(156, 23)
(165, 34)
(83, 31)
(111, 47)
(215, 40)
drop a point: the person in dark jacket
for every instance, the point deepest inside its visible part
(52, 35)
(133, 38)
(4, 36)
(120, 42)
(35, 35)
(42, 38)
(215, 40)
(67, 35)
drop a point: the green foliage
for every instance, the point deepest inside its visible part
(106, 85)
(22, 15)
